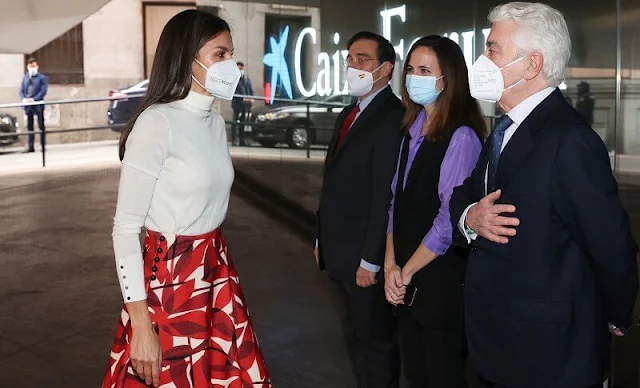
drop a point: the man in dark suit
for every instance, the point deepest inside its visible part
(553, 260)
(241, 107)
(34, 88)
(353, 211)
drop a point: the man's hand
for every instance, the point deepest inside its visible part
(485, 219)
(316, 253)
(365, 278)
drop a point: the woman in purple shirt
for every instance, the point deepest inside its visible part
(424, 273)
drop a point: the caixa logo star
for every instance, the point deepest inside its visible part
(279, 68)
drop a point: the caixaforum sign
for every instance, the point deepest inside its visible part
(329, 79)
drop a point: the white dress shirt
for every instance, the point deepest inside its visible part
(176, 178)
(518, 114)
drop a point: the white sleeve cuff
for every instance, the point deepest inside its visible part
(469, 235)
(369, 267)
(131, 277)
(316, 243)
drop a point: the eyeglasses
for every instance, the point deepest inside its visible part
(357, 61)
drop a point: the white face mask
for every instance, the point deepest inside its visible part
(360, 81)
(222, 78)
(32, 71)
(486, 80)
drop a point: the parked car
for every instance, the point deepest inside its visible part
(8, 125)
(288, 123)
(273, 124)
(120, 111)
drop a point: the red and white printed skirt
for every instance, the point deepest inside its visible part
(197, 305)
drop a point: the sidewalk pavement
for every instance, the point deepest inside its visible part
(56, 253)
(13, 160)
(61, 301)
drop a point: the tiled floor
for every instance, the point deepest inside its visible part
(59, 298)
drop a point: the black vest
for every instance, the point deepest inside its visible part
(438, 302)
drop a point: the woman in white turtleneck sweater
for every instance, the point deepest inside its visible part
(175, 182)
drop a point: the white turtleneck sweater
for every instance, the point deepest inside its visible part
(176, 178)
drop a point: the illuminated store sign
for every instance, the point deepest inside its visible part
(330, 80)
(322, 85)
(279, 68)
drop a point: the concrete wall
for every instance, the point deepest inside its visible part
(112, 59)
(11, 73)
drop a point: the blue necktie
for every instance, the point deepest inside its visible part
(504, 122)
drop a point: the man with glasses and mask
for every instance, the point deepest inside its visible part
(553, 262)
(353, 211)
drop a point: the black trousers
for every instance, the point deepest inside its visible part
(237, 130)
(431, 358)
(39, 112)
(369, 330)
(482, 383)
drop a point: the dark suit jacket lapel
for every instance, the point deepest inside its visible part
(514, 155)
(481, 168)
(521, 144)
(362, 120)
(331, 151)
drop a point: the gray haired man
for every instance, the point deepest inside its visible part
(553, 260)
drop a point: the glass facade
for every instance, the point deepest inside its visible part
(294, 49)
